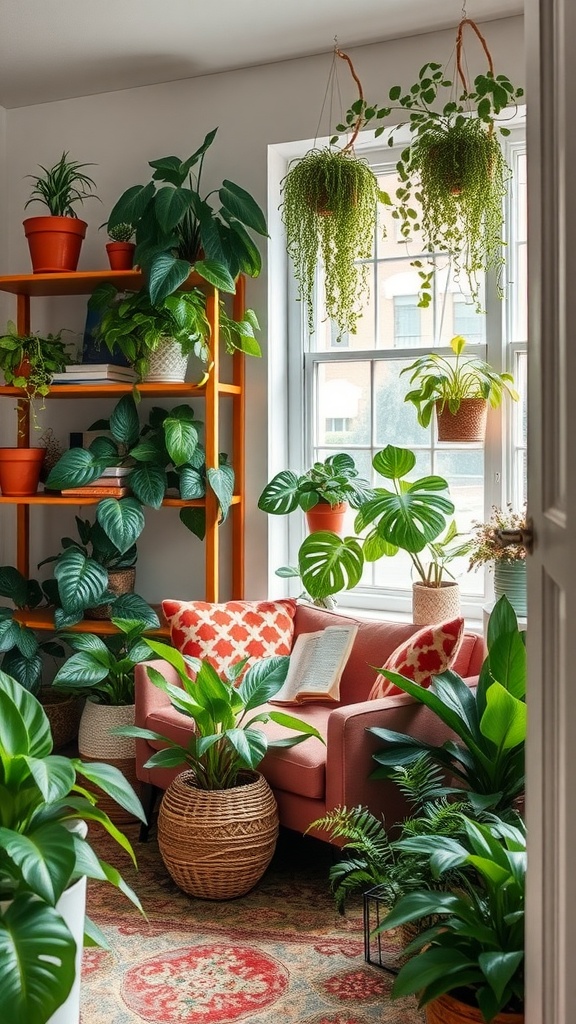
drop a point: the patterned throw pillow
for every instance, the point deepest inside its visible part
(425, 654)
(226, 633)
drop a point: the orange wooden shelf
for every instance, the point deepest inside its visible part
(43, 619)
(58, 499)
(83, 282)
(110, 390)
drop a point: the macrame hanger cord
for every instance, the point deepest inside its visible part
(460, 56)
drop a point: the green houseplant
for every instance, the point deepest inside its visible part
(329, 208)
(178, 230)
(222, 785)
(453, 386)
(120, 247)
(22, 652)
(487, 758)
(328, 485)
(42, 857)
(453, 173)
(165, 452)
(508, 562)
(410, 516)
(55, 241)
(473, 956)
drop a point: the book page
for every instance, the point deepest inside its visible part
(316, 665)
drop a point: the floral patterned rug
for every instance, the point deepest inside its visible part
(280, 953)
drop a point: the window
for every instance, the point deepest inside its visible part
(352, 396)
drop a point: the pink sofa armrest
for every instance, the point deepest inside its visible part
(148, 697)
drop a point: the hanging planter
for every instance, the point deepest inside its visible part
(453, 173)
(329, 209)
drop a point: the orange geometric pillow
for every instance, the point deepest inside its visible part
(427, 653)
(226, 633)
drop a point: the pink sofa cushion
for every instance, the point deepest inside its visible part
(430, 651)
(227, 633)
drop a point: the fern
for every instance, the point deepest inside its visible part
(420, 782)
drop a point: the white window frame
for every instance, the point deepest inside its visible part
(296, 444)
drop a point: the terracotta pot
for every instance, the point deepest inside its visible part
(431, 605)
(448, 1010)
(327, 517)
(217, 844)
(20, 471)
(121, 255)
(54, 243)
(467, 424)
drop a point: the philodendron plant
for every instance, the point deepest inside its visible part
(21, 650)
(178, 230)
(410, 516)
(163, 453)
(41, 796)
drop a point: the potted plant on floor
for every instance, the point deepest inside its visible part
(45, 860)
(323, 492)
(329, 209)
(101, 672)
(221, 797)
(178, 230)
(458, 390)
(509, 561)
(469, 966)
(410, 517)
(55, 241)
(453, 173)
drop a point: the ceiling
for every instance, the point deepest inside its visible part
(57, 49)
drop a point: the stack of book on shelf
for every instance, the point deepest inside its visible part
(111, 484)
(95, 373)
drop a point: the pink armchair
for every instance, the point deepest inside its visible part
(312, 778)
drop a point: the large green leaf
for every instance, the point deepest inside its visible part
(166, 275)
(13, 585)
(216, 273)
(181, 438)
(507, 663)
(75, 468)
(37, 961)
(122, 520)
(132, 606)
(81, 581)
(329, 564)
(24, 727)
(53, 775)
(410, 519)
(242, 206)
(111, 781)
(9, 632)
(221, 481)
(27, 670)
(171, 206)
(149, 483)
(83, 670)
(262, 681)
(44, 858)
(131, 205)
(504, 720)
(502, 620)
(394, 463)
(280, 496)
(194, 519)
(499, 968)
(191, 483)
(124, 422)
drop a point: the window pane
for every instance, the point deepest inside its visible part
(395, 420)
(464, 471)
(343, 404)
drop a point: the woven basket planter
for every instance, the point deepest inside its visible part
(468, 424)
(217, 844)
(435, 604)
(96, 743)
(120, 581)
(447, 1010)
(167, 363)
(63, 713)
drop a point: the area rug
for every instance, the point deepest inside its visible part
(282, 953)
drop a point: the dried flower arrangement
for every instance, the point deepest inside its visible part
(485, 546)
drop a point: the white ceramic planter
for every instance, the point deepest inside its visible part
(167, 363)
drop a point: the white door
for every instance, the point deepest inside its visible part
(551, 755)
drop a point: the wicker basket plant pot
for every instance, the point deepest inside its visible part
(448, 1010)
(435, 604)
(63, 713)
(97, 743)
(465, 425)
(217, 844)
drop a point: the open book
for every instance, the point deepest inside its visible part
(316, 665)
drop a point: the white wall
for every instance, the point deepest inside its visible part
(121, 131)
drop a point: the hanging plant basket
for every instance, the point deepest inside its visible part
(329, 209)
(467, 424)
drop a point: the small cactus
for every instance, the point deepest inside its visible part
(121, 232)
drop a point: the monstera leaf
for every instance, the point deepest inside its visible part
(329, 563)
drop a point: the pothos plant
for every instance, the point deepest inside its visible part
(453, 173)
(163, 453)
(329, 207)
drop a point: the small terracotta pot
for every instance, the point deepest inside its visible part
(327, 517)
(120, 255)
(20, 471)
(54, 243)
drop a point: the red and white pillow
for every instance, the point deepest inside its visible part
(425, 654)
(226, 633)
